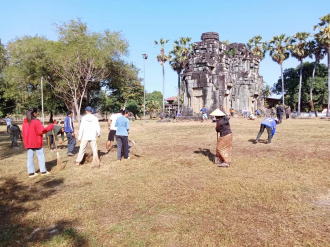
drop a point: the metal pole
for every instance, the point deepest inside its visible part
(42, 103)
(144, 91)
(145, 56)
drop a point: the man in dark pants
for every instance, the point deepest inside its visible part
(15, 133)
(270, 125)
(50, 136)
(69, 130)
(279, 112)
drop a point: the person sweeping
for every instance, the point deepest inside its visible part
(89, 129)
(33, 141)
(225, 141)
(269, 124)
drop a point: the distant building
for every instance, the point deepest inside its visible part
(170, 106)
(217, 74)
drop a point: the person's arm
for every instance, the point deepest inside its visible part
(109, 122)
(274, 129)
(98, 128)
(40, 129)
(81, 130)
(219, 123)
(55, 135)
(116, 124)
(127, 125)
(62, 136)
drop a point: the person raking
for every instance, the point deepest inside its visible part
(89, 129)
(225, 141)
(33, 141)
(269, 124)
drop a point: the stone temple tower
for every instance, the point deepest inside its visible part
(217, 74)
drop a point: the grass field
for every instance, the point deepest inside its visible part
(271, 195)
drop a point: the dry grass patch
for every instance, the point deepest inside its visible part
(173, 195)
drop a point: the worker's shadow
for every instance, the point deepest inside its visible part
(260, 141)
(205, 152)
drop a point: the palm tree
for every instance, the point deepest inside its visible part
(324, 38)
(180, 52)
(299, 48)
(317, 49)
(266, 92)
(162, 58)
(257, 47)
(278, 50)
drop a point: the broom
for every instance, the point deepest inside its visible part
(137, 150)
(59, 163)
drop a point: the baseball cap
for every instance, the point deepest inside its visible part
(88, 108)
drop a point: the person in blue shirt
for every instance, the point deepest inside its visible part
(122, 124)
(69, 130)
(269, 124)
(204, 114)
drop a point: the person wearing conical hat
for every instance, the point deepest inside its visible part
(225, 141)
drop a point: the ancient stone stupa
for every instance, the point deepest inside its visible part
(221, 74)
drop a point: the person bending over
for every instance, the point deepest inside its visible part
(269, 124)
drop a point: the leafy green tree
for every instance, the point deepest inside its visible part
(324, 38)
(156, 96)
(278, 50)
(152, 107)
(178, 55)
(6, 106)
(162, 58)
(80, 58)
(316, 49)
(292, 78)
(123, 84)
(133, 107)
(257, 46)
(299, 48)
(28, 62)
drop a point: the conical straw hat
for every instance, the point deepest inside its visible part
(217, 113)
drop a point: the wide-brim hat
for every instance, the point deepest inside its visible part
(218, 113)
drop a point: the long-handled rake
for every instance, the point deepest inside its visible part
(137, 149)
(59, 163)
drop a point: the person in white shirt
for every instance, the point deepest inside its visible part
(8, 121)
(89, 129)
(112, 128)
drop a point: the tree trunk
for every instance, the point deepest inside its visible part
(163, 89)
(282, 84)
(300, 80)
(179, 92)
(328, 49)
(311, 90)
(76, 111)
(51, 120)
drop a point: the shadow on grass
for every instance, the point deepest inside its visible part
(205, 152)
(17, 200)
(260, 141)
(6, 150)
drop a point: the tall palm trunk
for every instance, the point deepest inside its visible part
(282, 84)
(179, 92)
(328, 49)
(163, 89)
(300, 80)
(311, 90)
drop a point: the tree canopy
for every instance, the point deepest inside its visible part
(74, 69)
(291, 77)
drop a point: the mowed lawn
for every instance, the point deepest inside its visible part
(173, 195)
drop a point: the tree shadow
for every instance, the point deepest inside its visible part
(260, 141)
(6, 150)
(17, 200)
(205, 152)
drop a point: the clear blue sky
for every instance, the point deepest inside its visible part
(143, 21)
